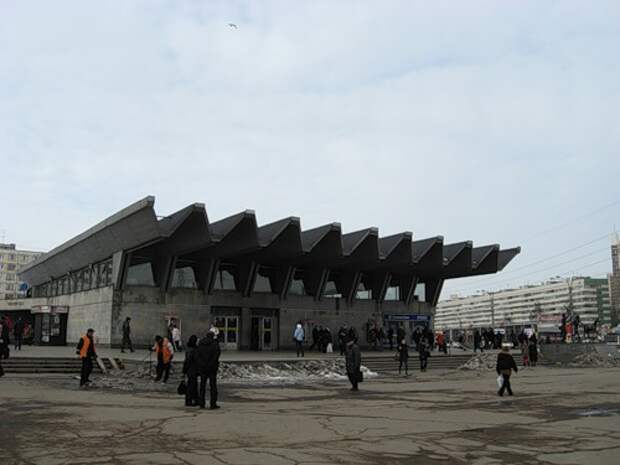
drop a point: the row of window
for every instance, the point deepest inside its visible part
(226, 277)
(17, 258)
(92, 277)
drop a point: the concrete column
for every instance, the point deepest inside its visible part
(245, 328)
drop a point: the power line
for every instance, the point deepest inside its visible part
(574, 220)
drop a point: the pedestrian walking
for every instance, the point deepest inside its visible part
(299, 336)
(18, 333)
(342, 336)
(216, 332)
(86, 350)
(353, 361)
(165, 352)
(207, 359)
(505, 365)
(315, 338)
(127, 336)
(441, 343)
(525, 353)
(176, 338)
(4, 339)
(390, 336)
(478, 341)
(190, 370)
(533, 349)
(403, 356)
(423, 352)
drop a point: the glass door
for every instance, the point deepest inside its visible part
(228, 327)
(267, 339)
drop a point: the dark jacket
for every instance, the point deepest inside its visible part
(403, 352)
(206, 357)
(126, 329)
(190, 367)
(353, 358)
(18, 329)
(505, 363)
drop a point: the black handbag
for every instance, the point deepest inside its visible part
(182, 389)
(360, 376)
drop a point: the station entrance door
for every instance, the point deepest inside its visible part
(228, 327)
(262, 333)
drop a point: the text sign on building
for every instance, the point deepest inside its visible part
(408, 317)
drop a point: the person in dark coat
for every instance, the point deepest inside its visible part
(423, 352)
(400, 333)
(342, 337)
(533, 349)
(478, 341)
(403, 356)
(353, 361)
(190, 370)
(505, 365)
(18, 333)
(127, 335)
(207, 359)
(4, 339)
(315, 338)
(86, 350)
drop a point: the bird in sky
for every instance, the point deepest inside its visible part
(233, 25)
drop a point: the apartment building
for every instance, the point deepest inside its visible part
(12, 261)
(541, 305)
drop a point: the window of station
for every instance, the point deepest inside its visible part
(297, 284)
(392, 293)
(263, 283)
(140, 275)
(419, 294)
(362, 293)
(225, 278)
(331, 290)
(184, 277)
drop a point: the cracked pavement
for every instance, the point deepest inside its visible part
(558, 416)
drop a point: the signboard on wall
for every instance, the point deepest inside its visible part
(390, 317)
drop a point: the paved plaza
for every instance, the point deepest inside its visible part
(558, 416)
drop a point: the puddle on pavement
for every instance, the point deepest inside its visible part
(598, 412)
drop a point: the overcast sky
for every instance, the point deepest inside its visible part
(497, 122)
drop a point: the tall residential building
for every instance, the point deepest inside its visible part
(11, 262)
(541, 304)
(614, 278)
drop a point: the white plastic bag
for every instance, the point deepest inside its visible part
(500, 381)
(330, 348)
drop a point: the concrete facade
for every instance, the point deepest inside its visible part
(105, 310)
(253, 282)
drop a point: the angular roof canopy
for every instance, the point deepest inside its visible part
(189, 235)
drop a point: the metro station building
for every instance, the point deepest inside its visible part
(253, 282)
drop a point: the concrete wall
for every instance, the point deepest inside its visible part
(149, 308)
(88, 309)
(105, 310)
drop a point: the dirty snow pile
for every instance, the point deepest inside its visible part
(482, 362)
(595, 360)
(139, 376)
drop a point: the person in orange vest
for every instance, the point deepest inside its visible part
(86, 350)
(165, 352)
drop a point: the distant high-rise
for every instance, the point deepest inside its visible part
(11, 261)
(614, 278)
